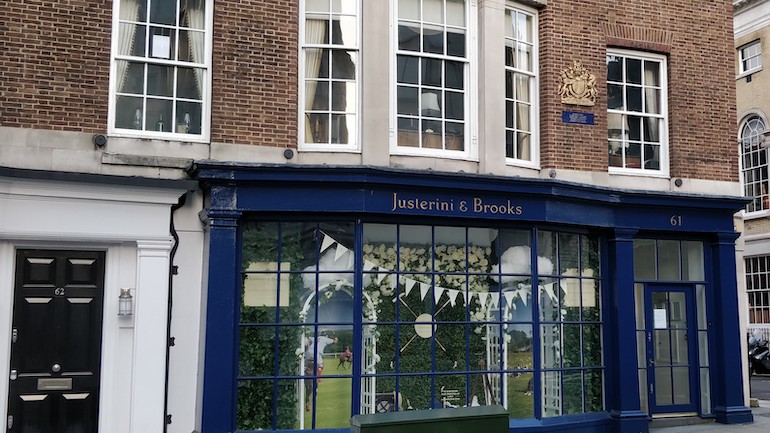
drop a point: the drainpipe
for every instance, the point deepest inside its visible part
(171, 272)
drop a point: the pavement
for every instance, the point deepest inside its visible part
(761, 424)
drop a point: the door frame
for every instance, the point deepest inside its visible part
(692, 355)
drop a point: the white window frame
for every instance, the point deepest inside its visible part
(747, 53)
(756, 140)
(663, 170)
(204, 136)
(534, 117)
(470, 151)
(354, 146)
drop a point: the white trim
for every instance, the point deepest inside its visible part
(663, 171)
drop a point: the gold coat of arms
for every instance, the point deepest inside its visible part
(578, 86)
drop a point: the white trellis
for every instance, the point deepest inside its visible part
(369, 347)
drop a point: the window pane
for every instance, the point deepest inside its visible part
(317, 5)
(343, 128)
(409, 37)
(163, 12)
(344, 30)
(433, 10)
(188, 117)
(524, 27)
(614, 96)
(159, 116)
(634, 99)
(128, 113)
(633, 71)
(644, 259)
(454, 106)
(343, 65)
(651, 73)
(187, 83)
(409, 9)
(431, 72)
(522, 88)
(430, 104)
(344, 96)
(455, 10)
(407, 69)
(573, 392)
(615, 69)
(668, 260)
(455, 75)
(407, 100)
(433, 40)
(344, 6)
(455, 43)
(316, 31)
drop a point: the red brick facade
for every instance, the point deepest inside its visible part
(55, 73)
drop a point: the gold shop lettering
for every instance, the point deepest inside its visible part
(476, 206)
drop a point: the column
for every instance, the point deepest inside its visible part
(150, 322)
(621, 374)
(728, 366)
(220, 368)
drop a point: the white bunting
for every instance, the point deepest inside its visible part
(523, 296)
(483, 298)
(453, 296)
(549, 291)
(393, 281)
(381, 276)
(424, 290)
(341, 251)
(409, 285)
(437, 292)
(495, 299)
(368, 266)
(509, 298)
(326, 242)
(339, 284)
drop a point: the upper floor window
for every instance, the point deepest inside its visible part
(329, 65)
(160, 68)
(637, 112)
(432, 68)
(750, 57)
(754, 163)
(520, 84)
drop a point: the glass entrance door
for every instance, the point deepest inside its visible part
(671, 360)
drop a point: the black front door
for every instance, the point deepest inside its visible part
(56, 342)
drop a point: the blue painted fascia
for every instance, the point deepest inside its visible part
(361, 189)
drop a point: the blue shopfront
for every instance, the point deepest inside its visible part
(335, 291)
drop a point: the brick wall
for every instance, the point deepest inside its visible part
(697, 39)
(54, 64)
(255, 72)
(56, 71)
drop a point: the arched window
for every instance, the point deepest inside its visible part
(754, 164)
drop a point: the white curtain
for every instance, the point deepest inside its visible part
(523, 116)
(129, 10)
(196, 19)
(315, 32)
(652, 106)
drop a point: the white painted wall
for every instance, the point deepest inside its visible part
(131, 224)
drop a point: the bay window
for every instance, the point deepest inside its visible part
(160, 68)
(432, 68)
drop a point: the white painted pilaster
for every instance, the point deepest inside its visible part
(150, 322)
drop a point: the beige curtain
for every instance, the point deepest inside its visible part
(196, 19)
(315, 32)
(129, 10)
(524, 149)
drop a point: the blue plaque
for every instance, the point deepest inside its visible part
(577, 117)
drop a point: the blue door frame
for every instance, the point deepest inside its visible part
(662, 326)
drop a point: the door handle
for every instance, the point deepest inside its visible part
(14, 374)
(56, 368)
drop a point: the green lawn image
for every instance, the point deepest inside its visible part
(333, 397)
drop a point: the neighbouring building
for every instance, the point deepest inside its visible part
(226, 216)
(753, 104)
